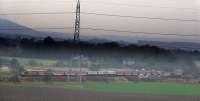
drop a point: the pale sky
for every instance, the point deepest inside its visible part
(172, 9)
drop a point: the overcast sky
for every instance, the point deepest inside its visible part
(169, 9)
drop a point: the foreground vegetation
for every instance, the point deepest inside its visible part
(11, 92)
(144, 88)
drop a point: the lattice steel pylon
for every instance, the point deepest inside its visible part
(77, 22)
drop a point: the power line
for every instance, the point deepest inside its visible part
(104, 14)
(140, 5)
(22, 28)
(107, 30)
(149, 33)
(141, 17)
(37, 13)
(117, 4)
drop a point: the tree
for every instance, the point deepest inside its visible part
(60, 63)
(49, 40)
(49, 75)
(16, 70)
(14, 64)
(33, 63)
(1, 61)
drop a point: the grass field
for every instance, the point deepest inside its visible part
(53, 92)
(149, 88)
(145, 88)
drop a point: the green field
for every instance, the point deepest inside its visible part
(25, 61)
(147, 88)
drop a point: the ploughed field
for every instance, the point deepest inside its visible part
(86, 92)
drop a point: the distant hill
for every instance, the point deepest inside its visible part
(172, 45)
(6, 25)
(27, 32)
(32, 33)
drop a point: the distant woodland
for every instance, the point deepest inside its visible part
(97, 55)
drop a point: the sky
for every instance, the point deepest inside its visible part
(165, 9)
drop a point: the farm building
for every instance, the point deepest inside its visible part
(4, 68)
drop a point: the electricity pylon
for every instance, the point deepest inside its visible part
(77, 22)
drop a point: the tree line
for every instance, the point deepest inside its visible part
(108, 54)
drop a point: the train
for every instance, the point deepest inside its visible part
(80, 72)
